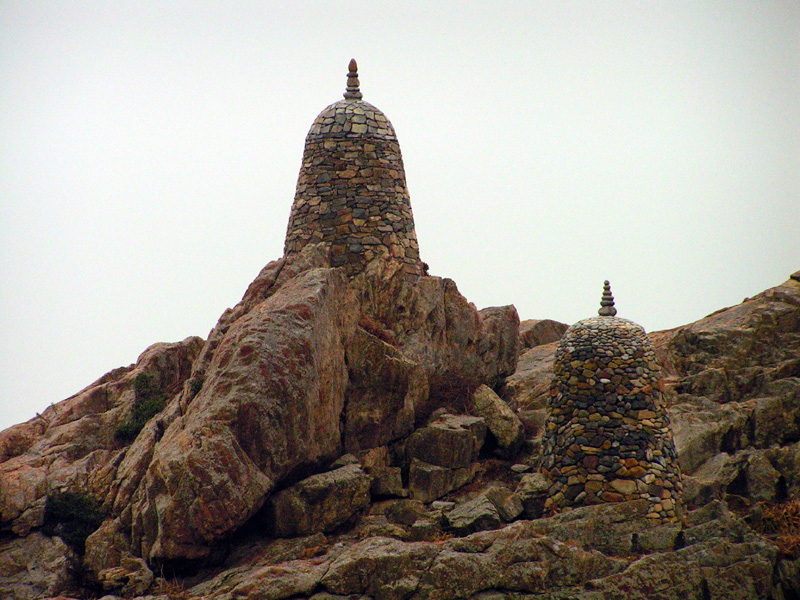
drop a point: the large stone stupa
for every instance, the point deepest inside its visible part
(607, 435)
(351, 191)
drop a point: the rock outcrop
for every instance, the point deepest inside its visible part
(341, 436)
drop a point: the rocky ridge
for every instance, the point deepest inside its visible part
(378, 437)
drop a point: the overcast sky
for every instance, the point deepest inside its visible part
(150, 151)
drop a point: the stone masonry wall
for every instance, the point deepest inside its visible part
(351, 191)
(607, 436)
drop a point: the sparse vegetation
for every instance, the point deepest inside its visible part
(72, 516)
(196, 384)
(173, 590)
(149, 401)
(782, 520)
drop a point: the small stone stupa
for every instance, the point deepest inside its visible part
(607, 435)
(351, 191)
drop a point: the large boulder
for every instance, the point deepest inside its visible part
(436, 327)
(72, 446)
(451, 441)
(736, 353)
(35, 567)
(536, 332)
(321, 502)
(269, 405)
(427, 482)
(529, 387)
(381, 567)
(474, 515)
(383, 390)
(503, 423)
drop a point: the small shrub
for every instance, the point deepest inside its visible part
(195, 385)
(72, 516)
(149, 401)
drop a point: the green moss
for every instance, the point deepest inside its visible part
(72, 516)
(149, 401)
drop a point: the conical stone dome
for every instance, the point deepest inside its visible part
(607, 435)
(351, 191)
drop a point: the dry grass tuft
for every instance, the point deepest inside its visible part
(782, 521)
(171, 589)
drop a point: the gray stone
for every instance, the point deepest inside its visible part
(451, 441)
(321, 502)
(762, 478)
(503, 424)
(427, 482)
(532, 492)
(712, 479)
(474, 515)
(535, 332)
(381, 567)
(508, 504)
(35, 567)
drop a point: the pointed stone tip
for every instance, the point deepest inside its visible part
(607, 302)
(353, 92)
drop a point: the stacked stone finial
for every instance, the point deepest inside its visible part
(353, 92)
(351, 191)
(607, 302)
(607, 434)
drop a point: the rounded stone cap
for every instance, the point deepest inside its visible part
(614, 329)
(352, 117)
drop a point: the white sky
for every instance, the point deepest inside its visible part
(150, 151)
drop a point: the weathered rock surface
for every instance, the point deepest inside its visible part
(71, 445)
(35, 567)
(436, 327)
(131, 578)
(474, 515)
(383, 391)
(529, 387)
(428, 482)
(536, 332)
(503, 424)
(321, 502)
(269, 405)
(311, 365)
(451, 441)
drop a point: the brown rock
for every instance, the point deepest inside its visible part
(321, 502)
(269, 404)
(437, 328)
(427, 482)
(35, 567)
(131, 578)
(503, 424)
(383, 389)
(529, 387)
(451, 441)
(533, 332)
(71, 445)
(380, 567)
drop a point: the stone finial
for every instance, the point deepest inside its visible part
(352, 93)
(607, 302)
